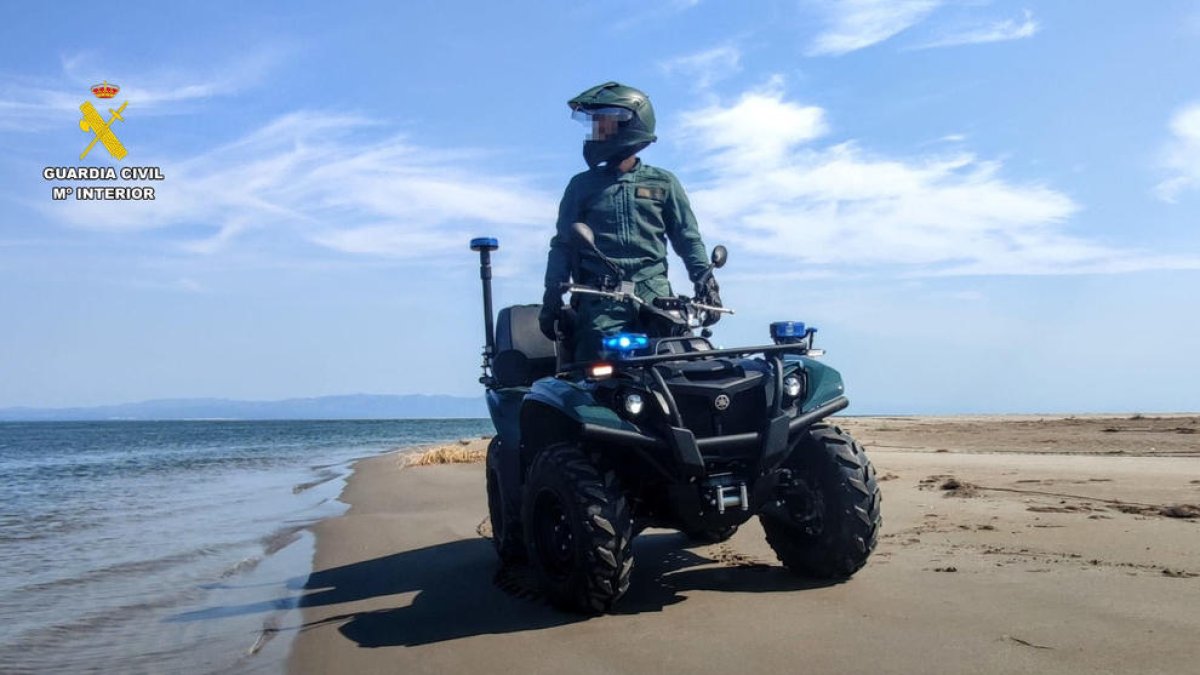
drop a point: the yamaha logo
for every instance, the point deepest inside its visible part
(721, 402)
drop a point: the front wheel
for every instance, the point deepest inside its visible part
(578, 530)
(825, 522)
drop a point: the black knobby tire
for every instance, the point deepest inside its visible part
(506, 530)
(578, 530)
(712, 536)
(829, 521)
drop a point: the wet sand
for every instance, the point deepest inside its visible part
(1020, 544)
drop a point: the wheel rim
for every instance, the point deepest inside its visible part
(553, 536)
(805, 508)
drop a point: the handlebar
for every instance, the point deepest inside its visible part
(715, 310)
(588, 290)
(626, 295)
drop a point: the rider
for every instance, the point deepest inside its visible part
(633, 209)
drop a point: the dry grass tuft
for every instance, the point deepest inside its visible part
(458, 453)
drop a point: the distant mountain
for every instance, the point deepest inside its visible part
(357, 406)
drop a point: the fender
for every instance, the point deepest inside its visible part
(556, 410)
(576, 402)
(503, 406)
(824, 383)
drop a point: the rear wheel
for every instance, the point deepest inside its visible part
(825, 522)
(578, 530)
(506, 535)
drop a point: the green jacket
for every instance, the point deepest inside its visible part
(633, 216)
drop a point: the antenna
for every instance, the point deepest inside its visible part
(485, 246)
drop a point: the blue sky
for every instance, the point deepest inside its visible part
(984, 206)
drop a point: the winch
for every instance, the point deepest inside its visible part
(723, 492)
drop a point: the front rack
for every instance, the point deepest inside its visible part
(643, 361)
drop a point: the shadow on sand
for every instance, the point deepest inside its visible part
(459, 594)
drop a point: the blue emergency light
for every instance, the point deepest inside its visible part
(789, 332)
(787, 329)
(625, 342)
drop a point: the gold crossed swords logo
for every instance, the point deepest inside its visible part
(93, 122)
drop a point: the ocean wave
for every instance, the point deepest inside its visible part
(281, 539)
(113, 534)
(94, 638)
(130, 568)
(323, 477)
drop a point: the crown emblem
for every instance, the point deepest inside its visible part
(105, 90)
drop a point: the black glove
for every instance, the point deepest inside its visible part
(551, 307)
(709, 293)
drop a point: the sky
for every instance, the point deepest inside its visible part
(984, 206)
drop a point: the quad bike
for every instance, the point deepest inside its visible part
(664, 430)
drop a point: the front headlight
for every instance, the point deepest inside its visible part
(634, 404)
(791, 386)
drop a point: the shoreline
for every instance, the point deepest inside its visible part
(272, 646)
(1048, 559)
(134, 547)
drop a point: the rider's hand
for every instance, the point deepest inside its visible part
(709, 293)
(551, 308)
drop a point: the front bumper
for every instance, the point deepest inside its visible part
(774, 440)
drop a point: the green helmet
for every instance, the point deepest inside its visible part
(631, 112)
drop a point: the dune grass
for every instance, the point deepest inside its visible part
(463, 452)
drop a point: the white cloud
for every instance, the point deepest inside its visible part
(1182, 155)
(706, 67)
(855, 24)
(636, 14)
(770, 191)
(37, 108)
(152, 89)
(329, 180)
(739, 145)
(997, 31)
(41, 104)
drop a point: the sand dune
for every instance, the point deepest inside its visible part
(1046, 545)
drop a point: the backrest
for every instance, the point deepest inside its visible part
(523, 354)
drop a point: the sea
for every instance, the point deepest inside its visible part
(129, 547)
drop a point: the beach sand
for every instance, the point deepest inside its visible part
(1018, 544)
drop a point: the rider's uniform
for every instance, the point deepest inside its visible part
(633, 215)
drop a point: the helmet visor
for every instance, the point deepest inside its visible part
(590, 115)
(602, 123)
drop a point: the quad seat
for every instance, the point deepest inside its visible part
(523, 354)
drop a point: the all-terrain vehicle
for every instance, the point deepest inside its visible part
(664, 430)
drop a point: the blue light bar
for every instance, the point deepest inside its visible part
(626, 342)
(787, 329)
(485, 244)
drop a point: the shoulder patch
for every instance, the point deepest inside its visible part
(658, 194)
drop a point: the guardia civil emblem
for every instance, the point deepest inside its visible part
(100, 129)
